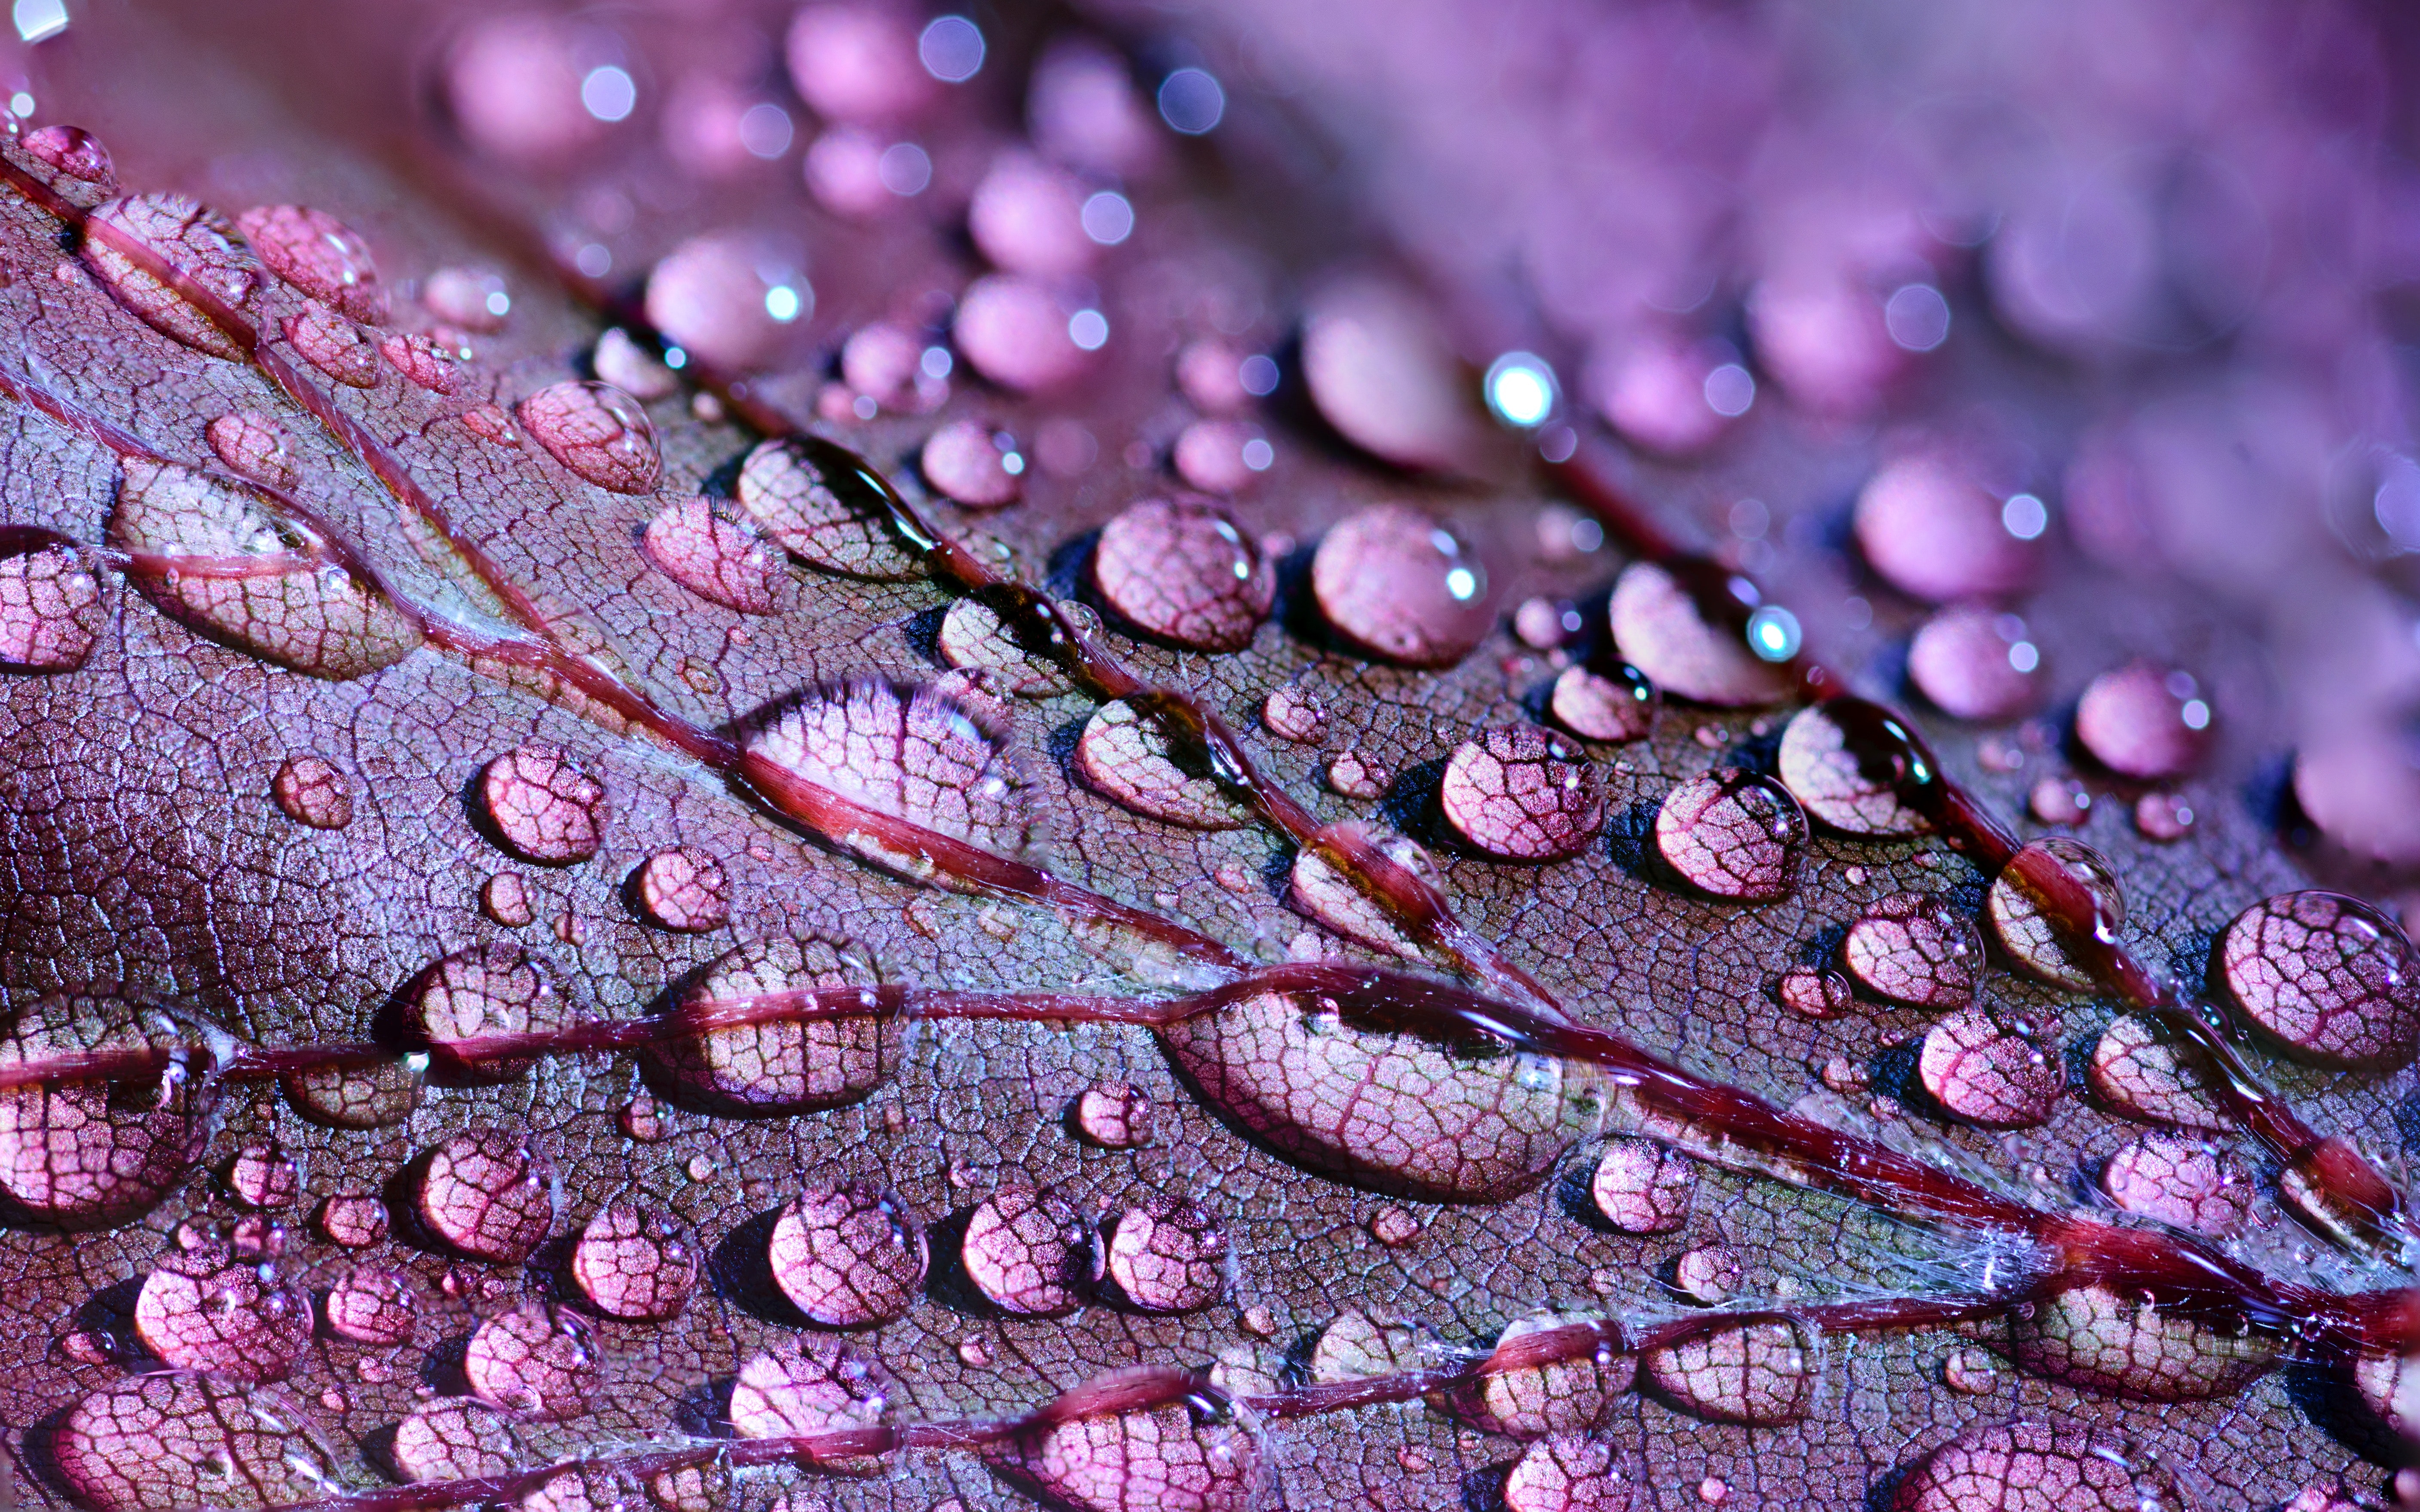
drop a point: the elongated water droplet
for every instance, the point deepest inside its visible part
(806, 1386)
(1168, 1256)
(255, 446)
(1179, 1457)
(635, 1260)
(320, 256)
(487, 1194)
(542, 805)
(1855, 768)
(375, 1096)
(537, 1360)
(599, 433)
(723, 560)
(1185, 571)
(51, 608)
(2327, 976)
(1681, 624)
(1123, 756)
(1985, 1073)
(92, 1154)
(423, 362)
(848, 1255)
(779, 1066)
(334, 346)
(1732, 833)
(1400, 587)
(482, 993)
(1530, 1401)
(160, 1442)
(2019, 1467)
(1915, 950)
(199, 250)
(2144, 721)
(2093, 1339)
(1321, 892)
(204, 1310)
(1031, 1253)
(969, 461)
(1763, 1373)
(825, 505)
(1517, 792)
(2036, 939)
(2196, 1184)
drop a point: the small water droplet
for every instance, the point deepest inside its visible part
(1936, 534)
(312, 792)
(488, 1195)
(1981, 1071)
(543, 807)
(262, 1174)
(732, 301)
(599, 433)
(198, 247)
(2036, 940)
(320, 256)
(373, 1096)
(1641, 1187)
(423, 361)
(634, 1260)
(1683, 625)
(1168, 1256)
(1814, 993)
(1017, 332)
(684, 890)
(2162, 816)
(1762, 1374)
(2144, 721)
(352, 1219)
(1031, 1253)
(809, 1385)
(2091, 1338)
(1974, 662)
(1573, 1473)
(1616, 706)
(848, 1255)
(255, 446)
(1398, 585)
(824, 505)
(1293, 713)
(455, 1439)
(52, 612)
(491, 424)
(206, 1310)
(72, 162)
(1122, 755)
(1182, 570)
(373, 1306)
(1393, 1226)
(2059, 800)
(1733, 834)
(1708, 1274)
(334, 346)
(1356, 776)
(1114, 1115)
(1916, 949)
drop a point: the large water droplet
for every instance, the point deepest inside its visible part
(374, 1095)
(263, 1174)
(537, 1360)
(221, 557)
(1382, 374)
(2034, 1467)
(723, 560)
(1732, 833)
(806, 1386)
(542, 805)
(684, 890)
(1517, 792)
(311, 791)
(1982, 1072)
(1394, 1111)
(1122, 755)
(1184, 571)
(969, 461)
(1762, 1374)
(197, 246)
(1400, 587)
(2091, 1338)
(1599, 706)
(334, 345)
(487, 1194)
(779, 1066)
(2034, 938)
(156, 1443)
(824, 505)
(352, 1219)
(1915, 950)
(256, 445)
(1321, 892)
(483, 992)
(972, 637)
(90, 1154)
(71, 159)
(635, 1260)
(204, 1310)
(731, 301)
(371, 1305)
(1168, 1256)
(1854, 768)
(1015, 331)
(1031, 1253)
(1028, 217)
(320, 255)
(1530, 1401)
(2327, 976)
(2196, 1184)
(1156, 1459)
(2142, 1071)
(599, 433)
(848, 1255)
(469, 299)
(1934, 532)
(2144, 720)
(51, 608)
(1642, 1186)
(1677, 624)
(1567, 1472)
(1976, 663)
(457, 1439)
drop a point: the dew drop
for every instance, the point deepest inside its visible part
(1677, 625)
(488, 1195)
(2144, 720)
(825, 505)
(1400, 586)
(1356, 1347)
(1015, 331)
(1915, 950)
(1293, 713)
(1381, 372)
(484, 992)
(1929, 528)
(221, 557)
(542, 806)
(1168, 1256)
(2032, 938)
(2143, 1072)
(457, 1439)
(971, 463)
(1600, 705)
(848, 1255)
(1814, 993)
(263, 1175)
(1517, 792)
(334, 346)
(423, 362)
(2196, 1184)
(634, 1260)
(71, 161)
(1642, 1186)
(1733, 834)
(586, 1489)
(2059, 800)
(371, 1305)
(684, 890)
(513, 86)
(1184, 571)
(320, 256)
(312, 792)
(1027, 217)
(1151, 1458)
(1762, 1374)
(1855, 768)
(255, 446)
(51, 608)
(884, 361)
(1319, 891)
(2162, 816)
(1356, 776)
(204, 1310)
(470, 298)
(1569, 1473)
(599, 433)
(1393, 1226)
(537, 1360)
(2326, 976)
(2093, 1339)
(1708, 1274)
(856, 63)
(1971, 1372)
(90, 1154)
(373, 1096)
(1976, 663)
(157, 1443)
(198, 247)
(1222, 457)
(806, 1386)
(1982, 1072)
(352, 1219)
(1114, 1115)
(1031, 1253)
(1122, 755)
(2022, 1467)
(729, 301)
(779, 1064)
(491, 424)
(1531, 1401)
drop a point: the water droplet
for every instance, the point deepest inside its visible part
(1517, 792)
(204, 1310)
(1976, 663)
(1168, 1256)
(1855, 768)
(2032, 938)
(2162, 816)
(884, 361)
(471, 298)
(973, 638)
(2144, 720)
(1027, 217)
(1119, 1458)
(51, 608)
(720, 559)
(1641, 1187)
(2093, 1339)
(505, 898)
(491, 424)
(848, 1255)
(320, 256)
(1321, 892)
(857, 62)
(634, 1260)
(1397, 1113)
(1356, 1347)
(1682, 624)
(92, 1154)
(1915, 950)
(371, 1305)
(255, 446)
(1393, 1226)
(2327, 976)
(542, 806)
(1184, 571)
(973, 464)
(1763, 1373)
(312, 792)
(221, 557)
(2012, 1466)
(1356, 776)
(1114, 1115)
(1293, 713)
(2143, 1072)
(731, 301)
(538, 1358)
(805, 1386)
(1971, 1372)
(352, 1219)
(71, 161)
(1530, 1401)
(599, 433)
(823, 505)
(2196, 1184)
(1382, 373)
(376, 1095)
(1016, 332)
(1031, 1253)
(198, 247)
(455, 1439)
(334, 346)
(1982, 1072)
(586, 1489)
(1927, 526)
(1400, 586)
(1598, 706)
(1732, 833)
(423, 362)
(483, 992)
(488, 1195)
(778, 1066)
(263, 1175)
(1569, 1473)
(1122, 755)
(1222, 457)
(2059, 800)
(157, 1443)
(1708, 1274)
(684, 890)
